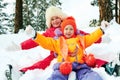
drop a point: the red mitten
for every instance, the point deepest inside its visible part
(90, 60)
(65, 68)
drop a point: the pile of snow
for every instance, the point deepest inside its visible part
(107, 50)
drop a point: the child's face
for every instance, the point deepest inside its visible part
(68, 31)
(56, 21)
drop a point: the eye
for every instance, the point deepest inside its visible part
(52, 19)
(71, 29)
(66, 28)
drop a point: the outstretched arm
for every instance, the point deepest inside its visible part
(28, 44)
(94, 36)
(80, 32)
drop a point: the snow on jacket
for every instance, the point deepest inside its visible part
(54, 45)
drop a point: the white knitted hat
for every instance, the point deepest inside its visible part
(53, 11)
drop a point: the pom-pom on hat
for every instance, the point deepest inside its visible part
(53, 11)
(68, 21)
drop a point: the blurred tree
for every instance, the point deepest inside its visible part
(18, 16)
(3, 17)
(106, 8)
(117, 11)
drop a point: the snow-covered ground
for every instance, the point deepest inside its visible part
(107, 50)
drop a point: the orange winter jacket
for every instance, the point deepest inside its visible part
(79, 41)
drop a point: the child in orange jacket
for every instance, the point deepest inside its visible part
(68, 48)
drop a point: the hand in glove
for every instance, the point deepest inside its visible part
(30, 31)
(104, 25)
(13, 47)
(58, 32)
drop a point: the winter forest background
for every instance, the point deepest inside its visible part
(15, 15)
